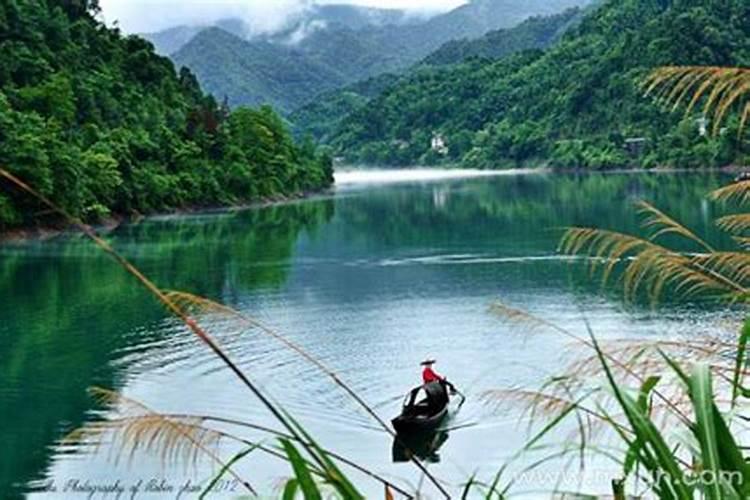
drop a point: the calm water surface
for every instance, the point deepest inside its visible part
(371, 279)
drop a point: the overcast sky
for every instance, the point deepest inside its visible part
(136, 16)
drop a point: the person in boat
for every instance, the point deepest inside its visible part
(429, 375)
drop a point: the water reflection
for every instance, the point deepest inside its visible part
(370, 282)
(425, 446)
(69, 315)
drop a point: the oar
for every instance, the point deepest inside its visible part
(463, 397)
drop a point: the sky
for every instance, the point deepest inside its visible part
(142, 16)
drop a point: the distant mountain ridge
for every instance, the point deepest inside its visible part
(320, 117)
(170, 40)
(577, 104)
(255, 73)
(537, 32)
(333, 47)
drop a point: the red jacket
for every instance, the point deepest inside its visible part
(429, 375)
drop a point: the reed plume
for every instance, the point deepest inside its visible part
(720, 89)
(597, 388)
(164, 431)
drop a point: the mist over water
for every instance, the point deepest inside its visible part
(346, 177)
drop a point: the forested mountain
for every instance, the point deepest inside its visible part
(311, 59)
(256, 72)
(538, 32)
(171, 40)
(573, 105)
(320, 117)
(100, 124)
(323, 115)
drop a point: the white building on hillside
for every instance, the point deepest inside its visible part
(438, 144)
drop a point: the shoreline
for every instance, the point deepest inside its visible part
(48, 232)
(344, 168)
(367, 176)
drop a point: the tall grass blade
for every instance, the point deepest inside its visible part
(731, 456)
(239, 456)
(301, 471)
(174, 307)
(671, 486)
(741, 361)
(703, 403)
(635, 447)
(618, 489)
(332, 473)
(527, 446)
(290, 489)
(161, 296)
(468, 486)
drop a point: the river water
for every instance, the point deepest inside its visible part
(387, 269)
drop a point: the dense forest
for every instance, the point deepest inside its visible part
(538, 32)
(575, 105)
(323, 115)
(102, 125)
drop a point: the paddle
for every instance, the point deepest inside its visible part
(463, 397)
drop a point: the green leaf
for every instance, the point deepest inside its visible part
(631, 456)
(740, 362)
(290, 489)
(730, 454)
(618, 489)
(701, 393)
(301, 471)
(665, 463)
(646, 389)
(332, 473)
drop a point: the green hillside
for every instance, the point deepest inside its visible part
(538, 32)
(287, 70)
(573, 105)
(101, 125)
(323, 114)
(255, 72)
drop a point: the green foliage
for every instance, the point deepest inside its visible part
(325, 112)
(574, 105)
(304, 479)
(256, 72)
(535, 33)
(101, 125)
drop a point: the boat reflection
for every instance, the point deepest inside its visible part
(424, 446)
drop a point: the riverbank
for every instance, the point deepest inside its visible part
(45, 232)
(347, 177)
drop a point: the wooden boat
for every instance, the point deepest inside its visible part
(423, 410)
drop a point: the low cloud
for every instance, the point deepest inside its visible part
(143, 16)
(261, 16)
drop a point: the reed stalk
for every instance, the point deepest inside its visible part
(173, 307)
